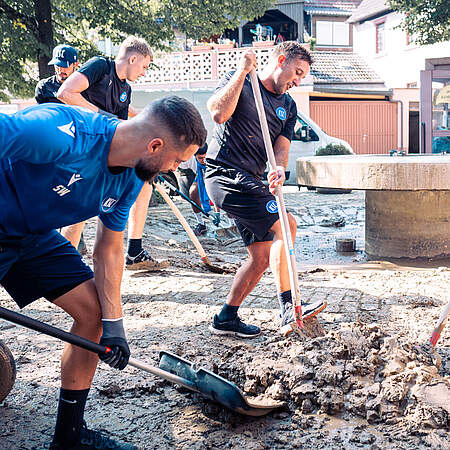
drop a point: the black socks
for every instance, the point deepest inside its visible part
(134, 247)
(283, 298)
(70, 417)
(228, 313)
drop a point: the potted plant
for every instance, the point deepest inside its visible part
(329, 150)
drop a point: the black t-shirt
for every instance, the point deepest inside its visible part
(239, 142)
(46, 90)
(106, 90)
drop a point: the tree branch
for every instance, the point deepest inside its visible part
(29, 21)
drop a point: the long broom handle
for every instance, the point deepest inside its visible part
(440, 325)
(183, 222)
(86, 344)
(288, 246)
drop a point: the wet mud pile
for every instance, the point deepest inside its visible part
(357, 371)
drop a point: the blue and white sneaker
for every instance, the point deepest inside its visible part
(309, 310)
(234, 327)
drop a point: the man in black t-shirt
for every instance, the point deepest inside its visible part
(236, 160)
(65, 60)
(101, 85)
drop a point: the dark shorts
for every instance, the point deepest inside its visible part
(40, 265)
(246, 198)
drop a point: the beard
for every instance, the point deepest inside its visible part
(147, 170)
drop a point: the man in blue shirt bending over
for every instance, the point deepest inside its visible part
(61, 165)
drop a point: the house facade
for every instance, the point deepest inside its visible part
(379, 39)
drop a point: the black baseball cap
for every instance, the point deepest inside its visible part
(63, 56)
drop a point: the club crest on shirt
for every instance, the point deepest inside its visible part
(123, 97)
(281, 113)
(108, 203)
(272, 206)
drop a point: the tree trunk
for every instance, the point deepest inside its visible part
(43, 13)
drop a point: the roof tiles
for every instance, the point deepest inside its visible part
(341, 67)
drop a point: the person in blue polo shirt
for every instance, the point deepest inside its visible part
(61, 165)
(102, 85)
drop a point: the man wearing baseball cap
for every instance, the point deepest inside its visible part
(65, 60)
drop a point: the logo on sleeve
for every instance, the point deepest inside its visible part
(68, 128)
(123, 97)
(108, 203)
(281, 113)
(272, 206)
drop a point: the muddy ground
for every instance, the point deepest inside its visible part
(367, 383)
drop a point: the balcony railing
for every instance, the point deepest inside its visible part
(195, 69)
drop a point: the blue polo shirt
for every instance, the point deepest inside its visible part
(53, 171)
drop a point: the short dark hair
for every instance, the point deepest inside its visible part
(202, 150)
(181, 118)
(291, 50)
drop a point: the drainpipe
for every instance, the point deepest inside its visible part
(401, 121)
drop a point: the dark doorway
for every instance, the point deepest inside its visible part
(413, 146)
(284, 28)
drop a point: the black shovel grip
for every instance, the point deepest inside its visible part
(50, 330)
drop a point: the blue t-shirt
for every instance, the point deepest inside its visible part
(53, 171)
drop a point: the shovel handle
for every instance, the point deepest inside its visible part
(164, 182)
(50, 330)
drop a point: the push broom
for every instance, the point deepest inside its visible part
(288, 245)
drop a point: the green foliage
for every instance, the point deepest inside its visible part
(333, 149)
(202, 18)
(426, 21)
(79, 22)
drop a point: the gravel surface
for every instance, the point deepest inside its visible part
(364, 378)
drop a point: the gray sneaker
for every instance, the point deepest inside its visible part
(309, 310)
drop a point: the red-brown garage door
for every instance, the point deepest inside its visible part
(370, 127)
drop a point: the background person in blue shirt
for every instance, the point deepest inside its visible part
(65, 60)
(102, 85)
(61, 165)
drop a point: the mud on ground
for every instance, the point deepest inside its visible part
(367, 381)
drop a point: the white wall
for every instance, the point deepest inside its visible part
(400, 64)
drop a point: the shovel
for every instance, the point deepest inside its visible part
(171, 368)
(189, 231)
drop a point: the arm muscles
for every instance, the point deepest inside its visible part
(281, 151)
(70, 91)
(223, 103)
(108, 270)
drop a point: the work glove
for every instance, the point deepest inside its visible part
(114, 338)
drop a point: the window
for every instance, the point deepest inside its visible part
(303, 132)
(332, 33)
(380, 38)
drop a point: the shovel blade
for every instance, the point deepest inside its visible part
(213, 386)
